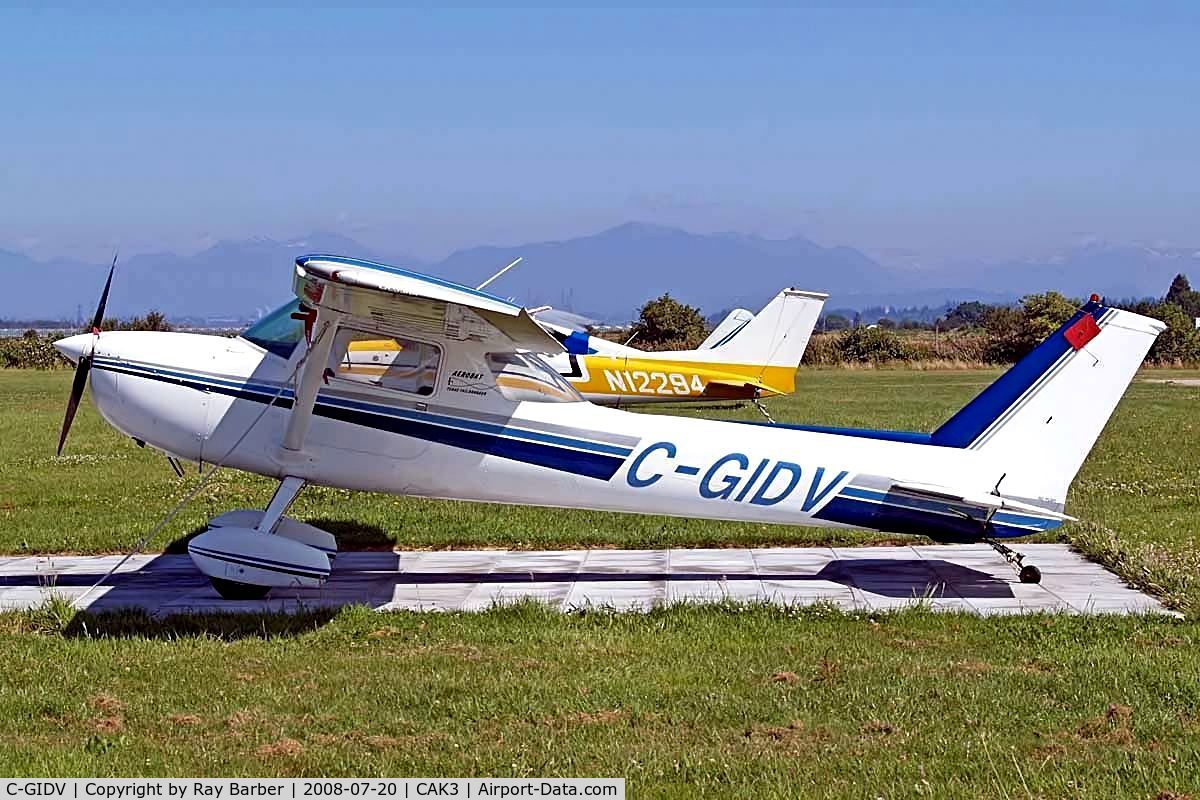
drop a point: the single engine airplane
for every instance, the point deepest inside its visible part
(467, 409)
(747, 357)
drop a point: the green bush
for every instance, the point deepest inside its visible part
(667, 324)
(31, 352)
(822, 351)
(872, 345)
(1180, 342)
(1013, 332)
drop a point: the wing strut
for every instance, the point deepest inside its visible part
(308, 382)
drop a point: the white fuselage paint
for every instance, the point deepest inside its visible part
(675, 465)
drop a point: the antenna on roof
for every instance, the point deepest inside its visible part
(498, 274)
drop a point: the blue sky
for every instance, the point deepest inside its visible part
(941, 132)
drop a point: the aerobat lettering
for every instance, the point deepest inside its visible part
(737, 477)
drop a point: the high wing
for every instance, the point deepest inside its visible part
(336, 291)
(415, 303)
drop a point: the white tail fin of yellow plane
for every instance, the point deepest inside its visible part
(769, 346)
(748, 355)
(731, 326)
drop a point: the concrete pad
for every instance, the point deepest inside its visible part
(715, 591)
(969, 578)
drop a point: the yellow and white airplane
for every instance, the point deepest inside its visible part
(746, 357)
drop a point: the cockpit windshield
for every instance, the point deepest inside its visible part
(526, 377)
(277, 332)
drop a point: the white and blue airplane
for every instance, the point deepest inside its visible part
(466, 410)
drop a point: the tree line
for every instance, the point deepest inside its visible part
(32, 350)
(971, 332)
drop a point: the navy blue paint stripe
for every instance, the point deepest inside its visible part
(260, 563)
(923, 504)
(917, 522)
(266, 388)
(578, 462)
(977, 416)
(974, 419)
(479, 427)
(484, 427)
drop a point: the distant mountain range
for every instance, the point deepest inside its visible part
(607, 275)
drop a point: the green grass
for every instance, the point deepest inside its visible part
(726, 701)
(1135, 495)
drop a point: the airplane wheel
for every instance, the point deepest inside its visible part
(1030, 574)
(232, 590)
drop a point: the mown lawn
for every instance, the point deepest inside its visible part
(718, 701)
(721, 702)
(1136, 496)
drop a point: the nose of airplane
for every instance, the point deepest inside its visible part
(73, 347)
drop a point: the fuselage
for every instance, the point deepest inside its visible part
(227, 401)
(614, 374)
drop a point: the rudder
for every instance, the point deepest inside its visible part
(776, 337)
(1039, 420)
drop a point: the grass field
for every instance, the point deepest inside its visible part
(725, 701)
(1136, 495)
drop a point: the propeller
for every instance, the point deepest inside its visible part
(84, 365)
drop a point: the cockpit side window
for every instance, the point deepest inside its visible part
(404, 365)
(277, 332)
(523, 377)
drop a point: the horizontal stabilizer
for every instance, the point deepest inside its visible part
(985, 501)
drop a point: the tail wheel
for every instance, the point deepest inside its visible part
(1030, 574)
(232, 590)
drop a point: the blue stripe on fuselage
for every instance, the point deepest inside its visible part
(1026, 377)
(939, 520)
(577, 456)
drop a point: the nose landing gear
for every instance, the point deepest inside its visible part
(1026, 573)
(246, 553)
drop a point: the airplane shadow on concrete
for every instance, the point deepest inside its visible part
(126, 609)
(889, 577)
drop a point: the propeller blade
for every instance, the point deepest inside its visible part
(79, 383)
(77, 387)
(99, 318)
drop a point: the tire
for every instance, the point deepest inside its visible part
(1030, 574)
(232, 590)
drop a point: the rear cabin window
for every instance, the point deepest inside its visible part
(394, 363)
(522, 377)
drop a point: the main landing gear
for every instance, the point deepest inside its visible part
(246, 553)
(1027, 573)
